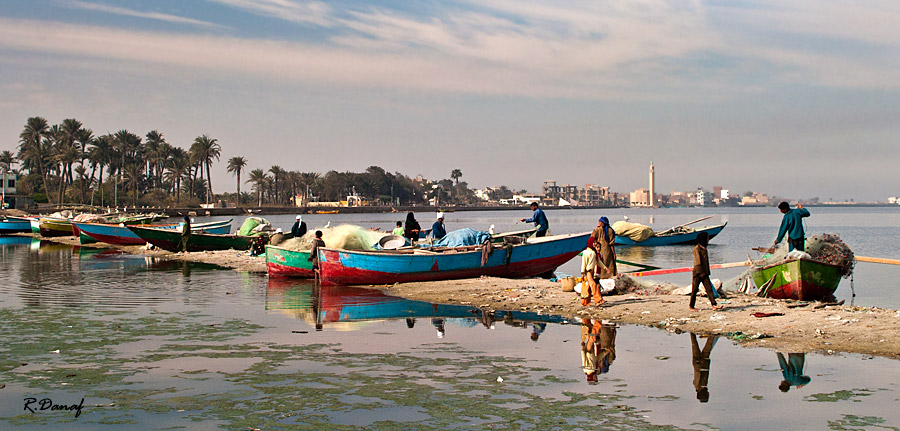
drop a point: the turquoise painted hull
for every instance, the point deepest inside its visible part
(674, 239)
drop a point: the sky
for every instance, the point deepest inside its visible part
(797, 98)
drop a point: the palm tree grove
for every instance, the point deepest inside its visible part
(67, 164)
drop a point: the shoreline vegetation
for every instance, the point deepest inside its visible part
(800, 327)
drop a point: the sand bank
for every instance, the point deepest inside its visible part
(803, 327)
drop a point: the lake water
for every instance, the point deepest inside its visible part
(152, 344)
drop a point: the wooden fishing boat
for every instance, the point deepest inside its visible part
(802, 279)
(121, 235)
(673, 238)
(14, 225)
(170, 239)
(327, 212)
(526, 259)
(281, 262)
(83, 238)
(55, 227)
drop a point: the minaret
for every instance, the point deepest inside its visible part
(652, 186)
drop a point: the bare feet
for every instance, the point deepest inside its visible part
(717, 307)
(600, 302)
(693, 309)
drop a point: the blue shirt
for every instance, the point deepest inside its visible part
(792, 224)
(540, 220)
(438, 231)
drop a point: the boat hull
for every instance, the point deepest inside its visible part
(281, 262)
(14, 226)
(674, 239)
(170, 239)
(799, 279)
(53, 227)
(121, 235)
(538, 256)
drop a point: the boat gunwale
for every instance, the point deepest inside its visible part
(792, 260)
(452, 250)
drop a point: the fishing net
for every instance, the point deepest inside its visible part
(344, 236)
(255, 226)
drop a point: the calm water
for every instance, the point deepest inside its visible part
(151, 344)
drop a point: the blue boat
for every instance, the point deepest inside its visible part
(121, 235)
(525, 258)
(674, 238)
(14, 225)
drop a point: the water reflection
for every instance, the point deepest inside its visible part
(598, 347)
(792, 371)
(343, 305)
(700, 360)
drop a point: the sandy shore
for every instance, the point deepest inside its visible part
(803, 327)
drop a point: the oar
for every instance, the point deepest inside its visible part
(857, 258)
(877, 260)
(683, 225)
(688, 269)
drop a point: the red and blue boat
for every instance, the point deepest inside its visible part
(527, 259)
(121, 235)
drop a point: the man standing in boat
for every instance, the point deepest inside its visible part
(792, 225)
(438, 230)
(539, 219)
(299, 228)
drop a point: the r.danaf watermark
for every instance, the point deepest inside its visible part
(34, 405)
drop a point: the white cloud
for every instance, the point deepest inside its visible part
(76, 4)
(306, 12)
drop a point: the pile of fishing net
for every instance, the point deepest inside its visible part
(634, 231)
(89, 218)
(826, 248)
(344, 236)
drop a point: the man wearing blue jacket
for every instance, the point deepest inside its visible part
(792, 225)
(539, 219)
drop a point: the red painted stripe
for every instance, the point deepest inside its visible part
(113, 239)
(279, 270)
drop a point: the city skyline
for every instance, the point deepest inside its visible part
(795, 98)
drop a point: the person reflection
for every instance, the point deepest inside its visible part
(598, 347)
(410, 322)
(439, 325)
(792, 371)
(536, 330)
(701, 365)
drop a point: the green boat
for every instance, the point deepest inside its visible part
(281, 262)
(168, 239)
(800, 279)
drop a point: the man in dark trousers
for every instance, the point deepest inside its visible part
(185, 233)
(539, 219)
(792, 225)
(299, 228)
(314, 254)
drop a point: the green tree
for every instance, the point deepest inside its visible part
(32, 150)
(456, 174)
(235, 166)
(7, 158)
(259, 178)
(207, 150)
(177, 167)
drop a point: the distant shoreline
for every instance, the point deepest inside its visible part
(266, 210)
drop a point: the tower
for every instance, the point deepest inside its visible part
(652, 186)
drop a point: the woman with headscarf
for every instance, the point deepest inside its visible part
(700, 274)
(604, 242)
(590, 270)
(412, 228)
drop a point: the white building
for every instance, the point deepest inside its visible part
(701, 197)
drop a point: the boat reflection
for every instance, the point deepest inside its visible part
(341, 306)
(701, 361)
(792, 371)
(598, 347)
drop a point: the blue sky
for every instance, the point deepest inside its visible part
(798, 98)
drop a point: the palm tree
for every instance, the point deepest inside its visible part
(85, 138)
(309, 179)
(177, 168)
(259, 178)
(277, 174)
(7, 158)
(127, 144)
(456, 174)
(134, 174)
(208, 149)
(156, 150)
(99, 155)
(235, 165)
(31, 148)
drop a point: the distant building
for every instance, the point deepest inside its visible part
(594, 195)
(700, 197)
(525, 199)
(640, 198)
(894, 200)
(756, 199)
